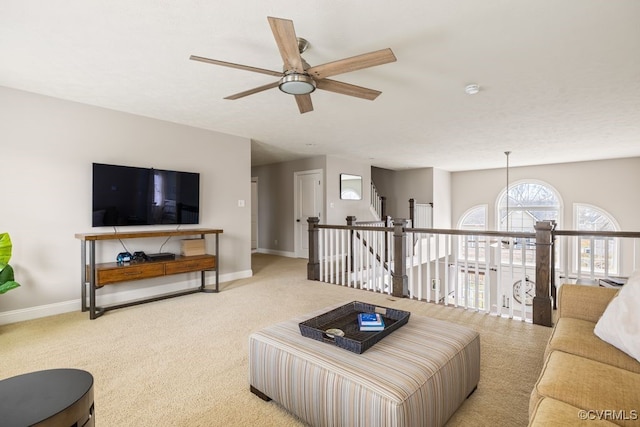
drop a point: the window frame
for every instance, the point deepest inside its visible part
(552, 189)
(576, 242)
(463, 239)
(559, 209)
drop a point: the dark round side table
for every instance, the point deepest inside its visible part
(55, 397)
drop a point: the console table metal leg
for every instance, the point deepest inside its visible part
(92, 279)
(83, 275)
(217, 262)
(217, 269)
(202, 275)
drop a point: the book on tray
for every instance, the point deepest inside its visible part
(373, 319)
(370, 322)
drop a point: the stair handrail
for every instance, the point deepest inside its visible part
(378, 202)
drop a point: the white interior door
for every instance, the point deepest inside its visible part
(308, 201)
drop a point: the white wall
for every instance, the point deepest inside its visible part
(424, 185)
(608, 184)
(441, 199)
(400, 186)
(414, 184)
(47, 148)
(384, 181)
(338, 209)
(275, 198)
(276, 220)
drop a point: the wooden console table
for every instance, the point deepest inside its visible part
(95, 276)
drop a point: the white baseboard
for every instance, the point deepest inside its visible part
(30, 313)
(37, 312)
(275, 252)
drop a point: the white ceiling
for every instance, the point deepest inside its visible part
(560, 79)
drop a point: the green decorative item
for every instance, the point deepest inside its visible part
(6, 271)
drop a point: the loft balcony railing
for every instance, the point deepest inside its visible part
(511, 274)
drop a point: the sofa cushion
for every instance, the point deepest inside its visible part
(583, 302)
(552, 412)
(589, 385)
(620, 322)
(576, 336)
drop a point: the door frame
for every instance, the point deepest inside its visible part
(254, 181)
(296, 229)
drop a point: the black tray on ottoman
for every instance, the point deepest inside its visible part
(345, 318)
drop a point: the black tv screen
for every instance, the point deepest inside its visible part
(126, 195)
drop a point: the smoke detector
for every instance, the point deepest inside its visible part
(472, 89)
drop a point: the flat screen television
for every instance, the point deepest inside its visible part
(126, 195)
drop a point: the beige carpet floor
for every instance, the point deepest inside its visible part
(184, 361)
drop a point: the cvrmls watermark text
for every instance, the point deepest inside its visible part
(608, 414)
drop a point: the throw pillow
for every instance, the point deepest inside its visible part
(620, 322)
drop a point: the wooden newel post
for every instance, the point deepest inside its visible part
(399, 274)
(542, 300)
(313, 265)
(351, 221)
(383, 207)
(412, 209)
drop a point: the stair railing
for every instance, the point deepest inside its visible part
(378, 203)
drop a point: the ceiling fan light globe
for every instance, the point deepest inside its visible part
(297, 84)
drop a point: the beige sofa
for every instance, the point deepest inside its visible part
(584, 379)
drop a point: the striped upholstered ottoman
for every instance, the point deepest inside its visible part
(417, 376)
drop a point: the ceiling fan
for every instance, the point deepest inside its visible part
(300, 79)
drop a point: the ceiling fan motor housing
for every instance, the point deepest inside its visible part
(297, 84)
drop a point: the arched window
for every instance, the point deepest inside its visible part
(596, 255)
(473, 219)
(528, 202)
(472, 258)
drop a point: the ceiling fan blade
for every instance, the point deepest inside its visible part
(304, 103)
(238, 66)
(354, 63)
(347, 89)
(287, 42)
(254, 90)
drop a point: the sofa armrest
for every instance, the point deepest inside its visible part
(583, 302)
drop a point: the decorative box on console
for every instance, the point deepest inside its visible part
(191, 247)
